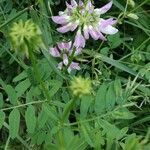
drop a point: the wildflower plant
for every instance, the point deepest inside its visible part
(102, 103)
(87, 20)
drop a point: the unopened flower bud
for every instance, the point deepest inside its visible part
(25, 36)
(133, 16)
(80, 86)
(131, 3)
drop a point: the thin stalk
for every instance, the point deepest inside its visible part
(22, 105)
(7, 143)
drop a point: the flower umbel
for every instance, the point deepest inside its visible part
(66, 51)
(87, 20)
(25, 34)
(81, 86)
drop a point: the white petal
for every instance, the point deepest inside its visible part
(109, 30)
(60, 65)
(65, 59)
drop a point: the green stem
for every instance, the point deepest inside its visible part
(37, 74)
(68, 109)
(7, 143)
(22, 105)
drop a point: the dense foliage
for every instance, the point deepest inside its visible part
(95, 94)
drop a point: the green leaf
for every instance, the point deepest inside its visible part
(12, 95)
(76, 143)
(2, 118)
(41, 138)
(42, 118)
(110, 130)
(122, 133)
(21, 76)
(110, 97)
(50, 112)
(86, 134)
(123, 114)
(22, 87)
(114, 40)
(14, 122)
(56, 85)
(118, 5)
(30, 119)
(85, 104)
(100, 101)
(118, 91)
(132, 143)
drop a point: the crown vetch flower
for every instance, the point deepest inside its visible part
(64, 51)
(87, 20)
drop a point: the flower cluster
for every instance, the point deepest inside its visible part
(81, 86)
(87, 20)
(23, 34)
(66, 52)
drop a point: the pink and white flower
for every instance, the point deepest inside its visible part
(65, 50)
(87, 20)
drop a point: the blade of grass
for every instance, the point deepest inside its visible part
(112, 62)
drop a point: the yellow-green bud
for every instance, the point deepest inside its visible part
(133, 16)
(81, 86)
(131, 3)
(26, 36)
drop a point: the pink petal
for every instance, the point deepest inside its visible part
(79, 40)
(54, 52)
(64, 28)
(89, 6)
(78, 51)
(64, 45)
(81, 3)
(69, 27)
(74, 3)
(104, 9)
(69, 9)
(60, 19)
(86, 32)
(102, 37)
(74, 25)
(94, 34)
(104, 23)
(69, 6)
(65, 59)
(73, 66)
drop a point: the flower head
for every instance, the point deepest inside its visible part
(81, 86)
(25, 34)
(87, 20)
(65, 51)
